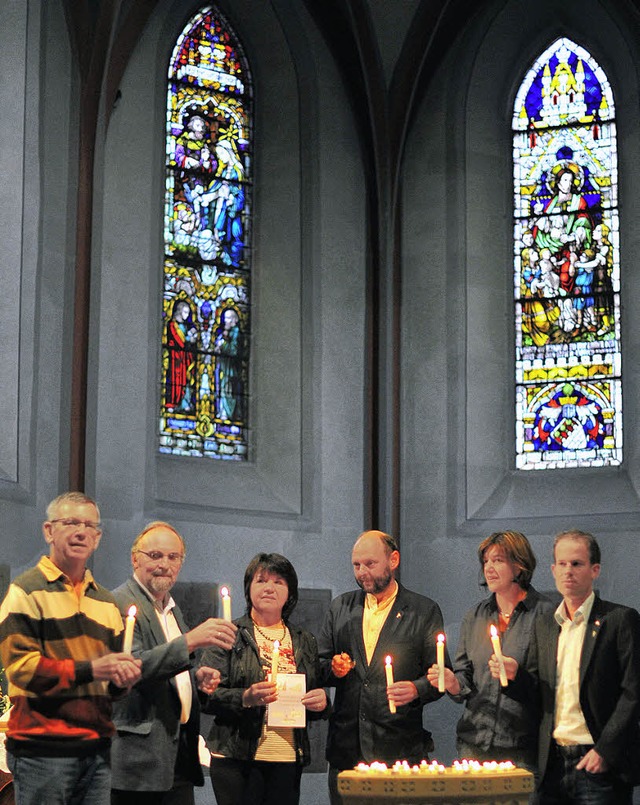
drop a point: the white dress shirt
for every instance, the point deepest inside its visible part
(570, 726)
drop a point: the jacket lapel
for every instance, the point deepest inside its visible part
(355, 627)
(179, 619)
(394, 618)
(590, 637)
(147, 611)
(549, 653)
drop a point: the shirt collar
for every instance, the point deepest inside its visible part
(530, 599)
(372, 602)
(156, 605)
(581, 614)
(52, 572)
(528, 602)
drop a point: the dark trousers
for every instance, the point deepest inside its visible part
(334, 796)
(563, 784)
(255, 782)
(180, 794)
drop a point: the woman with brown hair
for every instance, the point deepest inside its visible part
(494, 726)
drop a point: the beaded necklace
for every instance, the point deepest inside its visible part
(267, 637)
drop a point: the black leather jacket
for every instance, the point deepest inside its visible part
(237, 729)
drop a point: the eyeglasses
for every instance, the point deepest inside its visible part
(71, 522)
(157, 556)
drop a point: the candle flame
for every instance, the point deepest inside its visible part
(388, 659)
(440, 638)
(276, 645)
(132, 611)
(224, 592)
(494, 631)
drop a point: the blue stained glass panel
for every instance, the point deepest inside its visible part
(566, 265)
(207, 235)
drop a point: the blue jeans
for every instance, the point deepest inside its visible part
(563, 784)
(61, 780)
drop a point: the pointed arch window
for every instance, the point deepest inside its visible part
(566, 264)
(207, 223)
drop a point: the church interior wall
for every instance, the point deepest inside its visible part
(38, 233)
(458, 478)
(302, 492)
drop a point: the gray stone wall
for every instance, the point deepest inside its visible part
(302, 492)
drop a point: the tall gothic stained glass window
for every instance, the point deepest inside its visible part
(567, 269)
(205, 311)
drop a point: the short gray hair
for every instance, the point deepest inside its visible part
(78, 498)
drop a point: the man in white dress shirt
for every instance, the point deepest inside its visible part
(585, 665)
(154, 756)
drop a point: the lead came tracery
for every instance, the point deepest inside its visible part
(566, 259)
(205, 314)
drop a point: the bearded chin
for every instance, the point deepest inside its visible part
(378, 585)
(160, 584)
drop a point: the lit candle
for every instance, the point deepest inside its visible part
(275, 656)
(495, 641)
(130, 622)
(226, 603)
(440, 661)
(388, 669)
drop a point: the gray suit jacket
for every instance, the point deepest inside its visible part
(147, 721)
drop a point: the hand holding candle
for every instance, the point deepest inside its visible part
(388, 669)
(128, 630)
(260, 694)
(226, 603)
(440, 662)
(497, 650)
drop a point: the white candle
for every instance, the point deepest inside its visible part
(440, 661)
(130, 622)
(226, 603)
(275, 656)
(388, 669)
(495, 641)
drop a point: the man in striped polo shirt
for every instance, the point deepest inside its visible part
(60, 640)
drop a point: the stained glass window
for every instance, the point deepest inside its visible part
(567, 269)
(206, 288)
